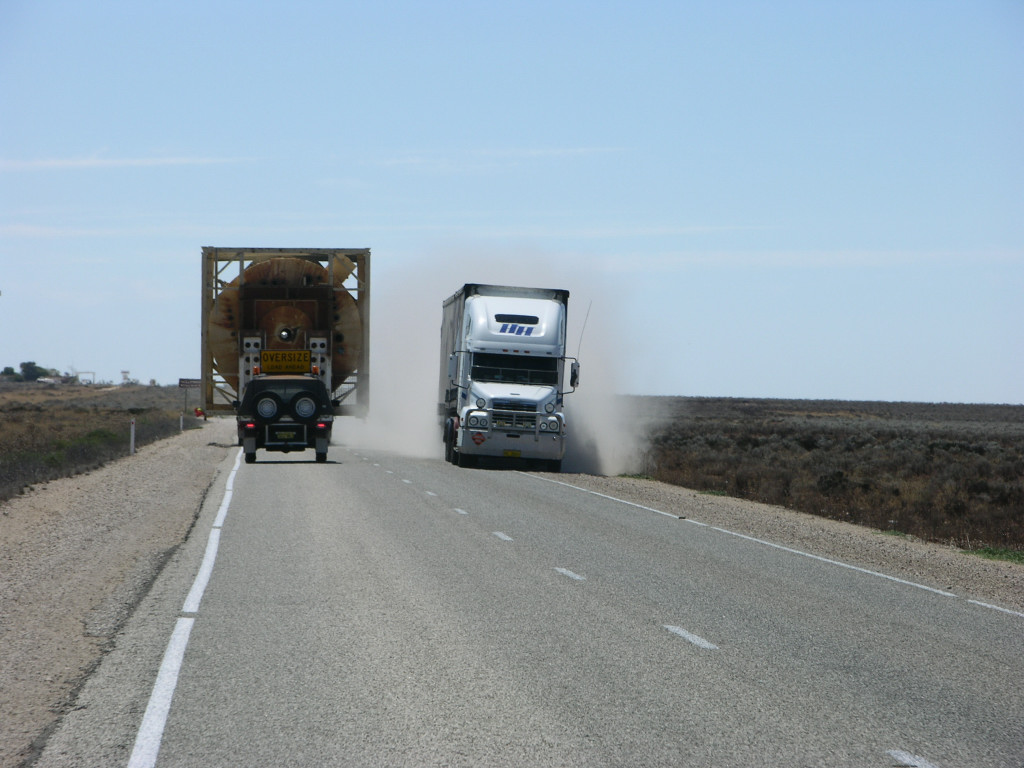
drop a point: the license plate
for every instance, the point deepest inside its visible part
(284, 435)
(513, 454)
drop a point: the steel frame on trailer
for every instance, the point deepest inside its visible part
(223, 265)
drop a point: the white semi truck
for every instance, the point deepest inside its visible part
(502, 369)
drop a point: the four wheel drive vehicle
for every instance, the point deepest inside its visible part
(285, 413)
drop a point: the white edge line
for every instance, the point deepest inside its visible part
(833, 562)
(223, 511)
(996, 608)
(147, 741)
(776, 546)
(195, 594)
(700, 642)
(603, 496)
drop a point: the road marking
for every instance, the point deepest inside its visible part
(389, 471)
(503, 536)
(700, 642)
(151, 732)
(461, 511)
(827, 560)
(908, 760)
(570, 574)
(996, 608)
(773, 544)
(603, 496)
(431, 493)
(407, 482)
(195, 595)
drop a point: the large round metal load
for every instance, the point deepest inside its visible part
(287, 301)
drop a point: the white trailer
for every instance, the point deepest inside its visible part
(501, 374)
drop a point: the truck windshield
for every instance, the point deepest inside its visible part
(515, 369)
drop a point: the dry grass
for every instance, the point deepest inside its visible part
(942, 472)
(51, 431)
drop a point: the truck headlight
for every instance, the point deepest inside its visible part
(552, 423)
(480, 402)
(550, 407)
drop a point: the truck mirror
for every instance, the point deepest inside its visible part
(574, 375)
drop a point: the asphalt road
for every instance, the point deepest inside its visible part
(381, 610)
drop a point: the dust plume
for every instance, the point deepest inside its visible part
(405, 359)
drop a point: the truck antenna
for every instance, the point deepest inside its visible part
(585, 318)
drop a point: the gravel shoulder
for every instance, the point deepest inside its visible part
(79, 554)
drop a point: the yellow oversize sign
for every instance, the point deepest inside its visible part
(285, 360)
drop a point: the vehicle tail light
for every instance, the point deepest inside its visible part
(321, 425)
(250, 425)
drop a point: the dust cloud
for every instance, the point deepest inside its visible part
(405, 358)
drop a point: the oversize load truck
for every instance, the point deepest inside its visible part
(295, 321)
(502, 368)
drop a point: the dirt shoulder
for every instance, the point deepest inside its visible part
(77, 556)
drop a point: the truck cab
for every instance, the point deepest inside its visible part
(502, 373)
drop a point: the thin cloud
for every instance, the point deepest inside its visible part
(486, 159)
(96, 162)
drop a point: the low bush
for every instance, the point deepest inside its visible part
(945, 473)
(53, 433)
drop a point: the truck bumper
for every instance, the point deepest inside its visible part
(512, 445)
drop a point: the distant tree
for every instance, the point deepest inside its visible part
(30, 371)
(8, 371)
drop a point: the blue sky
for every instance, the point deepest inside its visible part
(757, 199)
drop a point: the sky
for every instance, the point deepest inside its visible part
(745, 199)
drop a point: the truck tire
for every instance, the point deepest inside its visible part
(449, 442)
(321, 457)
(465, 461)
(250, 458)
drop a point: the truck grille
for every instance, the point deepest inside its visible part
(522, 406)
(514, 415)
(510, 420)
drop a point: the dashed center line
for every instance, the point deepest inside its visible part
(570, 574)
(908, 760)
(503, 536)
(700, 642)
(431, 493)
(461, 511)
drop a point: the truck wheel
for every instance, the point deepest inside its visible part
(465, 461)
(321, 457)
(250, 458)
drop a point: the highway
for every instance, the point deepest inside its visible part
(381, 610)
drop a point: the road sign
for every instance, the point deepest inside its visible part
(190, 383)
